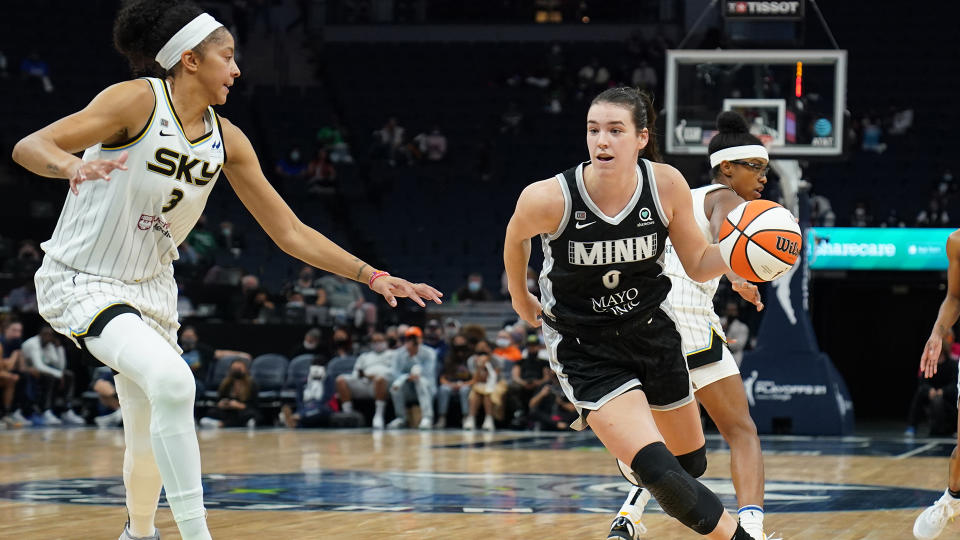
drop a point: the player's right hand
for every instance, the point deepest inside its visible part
(528, 307)
(96, 169)
(931, 355)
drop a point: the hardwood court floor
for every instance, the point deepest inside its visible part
(265, 484)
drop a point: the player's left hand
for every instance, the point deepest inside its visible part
(97, 169)
(391, 287)
(749, 292)
(931, 355)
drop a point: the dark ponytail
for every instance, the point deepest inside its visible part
(143, 27)
(640, 104)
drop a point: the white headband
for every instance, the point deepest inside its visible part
(185, 39)
(739, 152)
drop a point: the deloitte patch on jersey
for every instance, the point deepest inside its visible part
(625, 250)
(432, 492)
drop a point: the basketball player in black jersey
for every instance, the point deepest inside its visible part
(612, 341)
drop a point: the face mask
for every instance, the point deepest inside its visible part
(473, 286)
(226, 231)
(309, 345)
(380, 346)
(531, 284)
(237, 374)
(392, 343)
(503, 342)
(340, 342)
(188, 343)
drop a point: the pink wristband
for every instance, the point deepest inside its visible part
(375, 275)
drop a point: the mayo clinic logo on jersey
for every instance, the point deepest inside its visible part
(646, 217)
(762, 389)
(156, 223)
(626, 250)
(618, 303)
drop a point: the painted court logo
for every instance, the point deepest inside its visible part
(432, 492)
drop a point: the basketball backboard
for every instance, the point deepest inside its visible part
(794, 100)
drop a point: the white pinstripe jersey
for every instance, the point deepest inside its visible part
(129, 228)
(692, 302)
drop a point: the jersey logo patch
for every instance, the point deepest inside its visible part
(579, 225)
(182, 167)
(580, 215)
(646, 217)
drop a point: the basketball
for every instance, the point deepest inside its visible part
(760, 240)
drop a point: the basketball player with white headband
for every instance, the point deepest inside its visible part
(153, 149)
(739, 164)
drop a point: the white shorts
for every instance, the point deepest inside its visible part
(713, 372)
(360, 387)
(70, 300)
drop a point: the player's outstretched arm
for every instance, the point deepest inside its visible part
(723, 202)
(539, 210)
(949, 309)
(701, 260)
(298, 240)
(117, 112)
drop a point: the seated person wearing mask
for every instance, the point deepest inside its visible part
(371, 377)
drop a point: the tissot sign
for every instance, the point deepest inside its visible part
(763, 9)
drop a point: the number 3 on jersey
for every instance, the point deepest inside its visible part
(175, 197)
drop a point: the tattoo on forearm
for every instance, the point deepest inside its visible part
(53, 168)
(360, 271)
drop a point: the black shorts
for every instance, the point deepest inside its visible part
(649, 357)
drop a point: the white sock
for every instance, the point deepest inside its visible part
(381, 405)
(751, 519)
(194, 528)
(348, 406)
(633, 506)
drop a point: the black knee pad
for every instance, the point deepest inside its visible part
(678, 493)
(695, 462)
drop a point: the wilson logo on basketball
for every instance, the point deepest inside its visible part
(788, 246)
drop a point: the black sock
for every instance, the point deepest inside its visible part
(740, 534)
(954, 494)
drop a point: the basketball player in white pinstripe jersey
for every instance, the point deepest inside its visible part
(153, 149)
(739, 164)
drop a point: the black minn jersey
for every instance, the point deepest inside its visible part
(600, 270)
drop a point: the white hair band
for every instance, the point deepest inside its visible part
(739, 152)
(185, 39)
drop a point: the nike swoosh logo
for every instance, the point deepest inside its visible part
(582, 225)
(162, 134)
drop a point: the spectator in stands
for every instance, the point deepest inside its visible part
(473, 290)
(533, 283)
(341, 344)
(46, 362)
(432, 145)
(311, 345)
(25, 265)
(933, 215)
(203, 242)
(901, 121)
(893, 219)
(346, 302)
(644, 76)
(871, 136)
(9, 377)
(11, 361)
(483, 389)
(202, 357)
(506, 350)
(185, 306)
(455, 379)
(23, 299)
(555, 61)
(321, 175)
(33, 67)
(821, 211)
(414, 370)
(314, 297)
(861, 217)
(371, 377)
(550, 409)
(388, 140)
(526, 378)
(254, 304)
(737, 332)
(230, 239)
(333, 139)
(511, 119)
(936, 397)
(313, 410)
(109, 406)
(237, 400)
(433, 337)
(291, 167)
(593, 75)
(393, 338)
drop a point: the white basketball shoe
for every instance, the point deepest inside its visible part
(931, 522)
